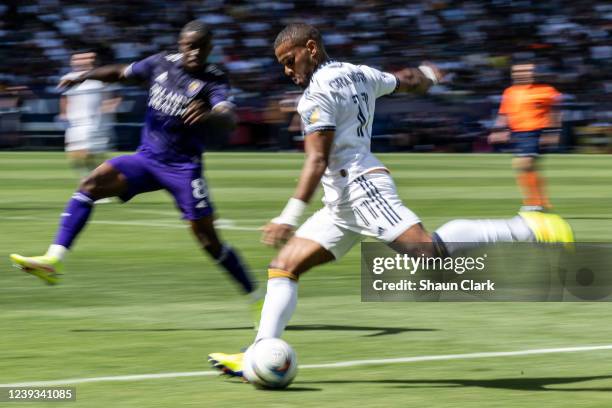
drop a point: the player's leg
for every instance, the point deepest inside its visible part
(98, 145)
(75, 142)
(116, 177)
(224, 255)
(525, 164)
(316, 242)
(190, 193)
(296, 257)
(77, 159)
(397, 225)
(414, 240)
(464, 234)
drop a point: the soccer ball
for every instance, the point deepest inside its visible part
(270, 363)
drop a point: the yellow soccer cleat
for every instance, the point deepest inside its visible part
(47, 268)
(228, 364)
(547, 227)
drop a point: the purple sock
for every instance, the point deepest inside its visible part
(73, 218)
(232, 264)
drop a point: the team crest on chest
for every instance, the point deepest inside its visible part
(194, 87)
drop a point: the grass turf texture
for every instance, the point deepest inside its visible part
(139, 297)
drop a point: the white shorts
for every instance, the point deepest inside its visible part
(369, 207)
(87, 138)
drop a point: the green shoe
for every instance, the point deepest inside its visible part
(47, 268)
(228, 364)
(547, 227)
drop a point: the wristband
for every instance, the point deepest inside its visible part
(429, 73)
(291, 213)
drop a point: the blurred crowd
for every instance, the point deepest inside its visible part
(474, 41)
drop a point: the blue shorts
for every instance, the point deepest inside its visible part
(184, 182)
(526, 144)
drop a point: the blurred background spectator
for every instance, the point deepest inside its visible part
(475, 41)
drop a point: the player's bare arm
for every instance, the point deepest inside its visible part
(418, 80)
(221, 116)
(106, 73)
(317, 146)
(500, 132)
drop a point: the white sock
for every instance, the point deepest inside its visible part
(57, 251)
(279, 304)
(465, 234)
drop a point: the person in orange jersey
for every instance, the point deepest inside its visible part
(527, 117)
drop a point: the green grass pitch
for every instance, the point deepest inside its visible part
(140, 298)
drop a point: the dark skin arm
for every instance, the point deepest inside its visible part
(106, 73)
(317, 146)
(195, 114)
(221, 116)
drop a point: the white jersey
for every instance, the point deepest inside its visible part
(342, 97)
(84, 104)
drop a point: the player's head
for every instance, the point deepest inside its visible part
(299, 48)
(84, 61)
(523, 74)
(195, 44)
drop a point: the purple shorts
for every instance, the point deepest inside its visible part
(184, 182)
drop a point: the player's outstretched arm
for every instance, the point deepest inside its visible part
(418, 80)
(317, 146)
(105, 73)
(500, 132)
(221, 115)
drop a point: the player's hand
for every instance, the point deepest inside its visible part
(437, 71)
(195, 113)
(502, 136)
(276, 235)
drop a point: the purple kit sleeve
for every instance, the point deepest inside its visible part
(142, 69)
(219, 92)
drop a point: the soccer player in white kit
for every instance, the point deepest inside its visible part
(89, 109)
(360, 198)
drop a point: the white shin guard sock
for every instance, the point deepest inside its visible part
(465, 234)
(279, 304)
(57, 251)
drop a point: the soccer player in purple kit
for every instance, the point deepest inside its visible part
(186, 97)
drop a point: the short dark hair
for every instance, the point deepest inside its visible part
(298, 34)
(198, 27)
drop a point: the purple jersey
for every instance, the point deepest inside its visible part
(165, 137)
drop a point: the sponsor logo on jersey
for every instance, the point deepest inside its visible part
(161, 78)
(174, 57)
(166, 101)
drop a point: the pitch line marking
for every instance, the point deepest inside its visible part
(223, 224)
(352, 363)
